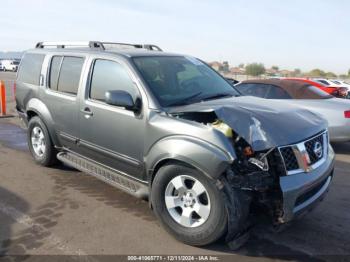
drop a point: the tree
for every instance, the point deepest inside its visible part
(297, 72)
(276, 68)
(349, 72)
(241, 65)
(330, 75)
(225, 66)
(255, 69)
(317, 73)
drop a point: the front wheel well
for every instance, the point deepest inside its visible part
(166, 162)
(31, 114)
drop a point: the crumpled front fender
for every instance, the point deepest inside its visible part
(207, 158)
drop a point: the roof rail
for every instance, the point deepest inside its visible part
(96, 45)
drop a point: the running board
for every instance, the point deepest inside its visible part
(107, 175)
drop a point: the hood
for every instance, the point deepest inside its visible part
(264, 124)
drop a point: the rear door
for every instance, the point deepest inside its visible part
(63, 82)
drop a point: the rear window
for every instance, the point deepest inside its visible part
(251, 89)
(30, 69)
(313, 92)
(65, 74)
(54, 71)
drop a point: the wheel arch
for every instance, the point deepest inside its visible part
(196, 153)
(35, 107)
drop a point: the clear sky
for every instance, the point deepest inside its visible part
(290, 34)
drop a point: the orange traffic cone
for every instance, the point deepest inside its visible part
(2, 99)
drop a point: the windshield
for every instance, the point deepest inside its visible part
(179, 80)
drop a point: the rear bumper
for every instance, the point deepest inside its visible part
(301, 192)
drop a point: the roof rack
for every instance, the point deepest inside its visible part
(96, 45)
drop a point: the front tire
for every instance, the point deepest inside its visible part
(40, 144)
(188, 204)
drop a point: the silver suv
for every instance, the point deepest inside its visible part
(169, 128)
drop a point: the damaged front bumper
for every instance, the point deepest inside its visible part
(302, 191)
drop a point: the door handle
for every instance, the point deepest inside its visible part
(87, 111)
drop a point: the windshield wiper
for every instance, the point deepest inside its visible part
(186, 100)
(216, 96)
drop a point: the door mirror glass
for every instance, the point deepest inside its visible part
(120, 98)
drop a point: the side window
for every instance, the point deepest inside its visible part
(108, 75)
(30, 69)
(69, 76)
(252, 89)
(323, 82)
(54, 71)
(276, 92)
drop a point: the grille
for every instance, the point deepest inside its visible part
(289, 158)
(309, 145)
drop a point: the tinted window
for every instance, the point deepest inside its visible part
(313, 92)
(258, 90)
(276, 92)
(176, 80)
(323, 82)
(109, 75)
(68, 81)
(54, 71)
(30, 69)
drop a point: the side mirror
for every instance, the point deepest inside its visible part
(121, 98)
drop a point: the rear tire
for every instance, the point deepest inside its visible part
(201, 228)
(40, 144)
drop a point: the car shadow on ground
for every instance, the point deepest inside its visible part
(100, 191)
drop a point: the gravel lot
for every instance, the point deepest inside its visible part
(60, 211)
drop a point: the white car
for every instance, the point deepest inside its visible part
(335, 83)
(10, 65)
(341, 83)
(1, 67)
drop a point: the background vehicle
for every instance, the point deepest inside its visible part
(341, 83)
(1, 66)
(232, 81)
(336, 111)
(10, 65)
(336, 91)
(169, 128)
(337, 83)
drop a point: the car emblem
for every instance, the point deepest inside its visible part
(318, 149)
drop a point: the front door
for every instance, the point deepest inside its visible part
(111, 135)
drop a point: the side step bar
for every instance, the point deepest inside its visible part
(107, 175)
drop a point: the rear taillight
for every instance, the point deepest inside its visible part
(347, 114)
(343, 91)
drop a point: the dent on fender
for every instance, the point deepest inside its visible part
(192, 151)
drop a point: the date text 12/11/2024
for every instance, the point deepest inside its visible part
(173, 258)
